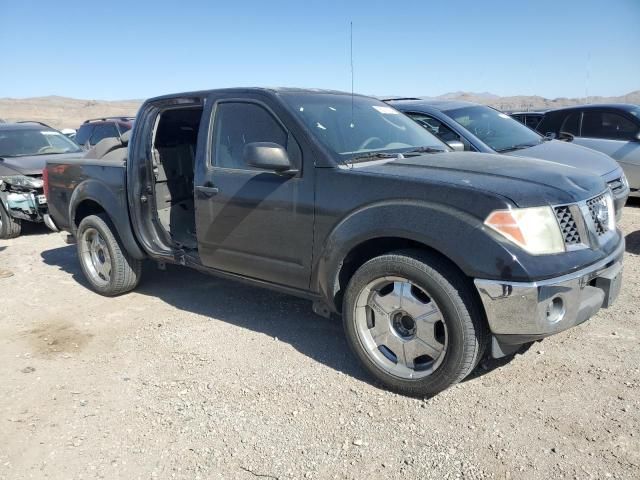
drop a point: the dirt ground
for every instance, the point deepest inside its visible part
(198, 378)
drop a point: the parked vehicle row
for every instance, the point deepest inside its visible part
(344, 200)
(479, 128)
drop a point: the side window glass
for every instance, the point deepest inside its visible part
(571, 124)
(607, 125)
(103, 131)
(84, 133)
(237, 124)
(436, 127)
(124, 127)
(532, 121)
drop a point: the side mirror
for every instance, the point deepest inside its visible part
(566, 137)
(550, 135)
(456, 145)
(268, 156)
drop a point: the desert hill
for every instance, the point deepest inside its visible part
(63, 112)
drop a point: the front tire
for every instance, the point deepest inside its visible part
(106, 265)
(412, 320)
(9, 227)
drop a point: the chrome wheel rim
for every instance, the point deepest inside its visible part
(401, 328)
(95, 256)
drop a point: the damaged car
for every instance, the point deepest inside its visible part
(24, 150)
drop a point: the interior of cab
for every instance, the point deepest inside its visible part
(174, 148)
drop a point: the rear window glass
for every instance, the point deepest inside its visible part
(102, 131)
(609, 125)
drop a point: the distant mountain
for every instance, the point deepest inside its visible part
(63, 112)
(459, 95)
(534, 102)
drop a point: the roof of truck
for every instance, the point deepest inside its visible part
(272, 90)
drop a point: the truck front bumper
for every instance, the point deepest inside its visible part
(520, 313)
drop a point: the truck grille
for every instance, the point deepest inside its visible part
(616, 185)
(596, 204)
(585, 224)
(568, 225)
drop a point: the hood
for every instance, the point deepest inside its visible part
(31, 165)
(570, 154)
(526, 182)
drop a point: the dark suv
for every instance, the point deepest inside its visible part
(94, 130)
(613, 129)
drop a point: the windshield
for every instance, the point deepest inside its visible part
(27, 142)
(352, 127)
(499, 131)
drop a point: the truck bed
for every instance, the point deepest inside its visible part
(82, 177)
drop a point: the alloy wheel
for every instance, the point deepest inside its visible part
(401, 327)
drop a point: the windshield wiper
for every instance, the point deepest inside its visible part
(517, 147)
(420, 150)
(373, 155)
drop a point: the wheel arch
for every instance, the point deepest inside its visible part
(94, 198)
(380, 229)
(375, 247)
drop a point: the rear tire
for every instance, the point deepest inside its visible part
(9, 227)
(413, 321)
(106, 265)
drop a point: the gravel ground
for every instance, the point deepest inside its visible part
(197, 378)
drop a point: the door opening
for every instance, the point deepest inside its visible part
(174, 149)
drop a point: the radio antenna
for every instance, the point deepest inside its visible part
(351, 55)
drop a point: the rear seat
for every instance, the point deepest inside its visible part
(107, 145)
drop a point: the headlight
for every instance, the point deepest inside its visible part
(624, 180)
(22, 181)
(535, 230)
(610, 219)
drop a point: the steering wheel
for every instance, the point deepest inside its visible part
(45, 149)
(367, 143)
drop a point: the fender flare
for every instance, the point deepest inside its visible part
(448, 231)
(113, 205)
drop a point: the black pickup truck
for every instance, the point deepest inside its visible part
(432, 257)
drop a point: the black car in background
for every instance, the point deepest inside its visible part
(530, 119)
(613, 129)
(24, 149)
(94, 130)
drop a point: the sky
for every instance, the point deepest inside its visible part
(138, 49)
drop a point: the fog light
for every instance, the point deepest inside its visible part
(555, 310)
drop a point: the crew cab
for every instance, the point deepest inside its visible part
(432, 257)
